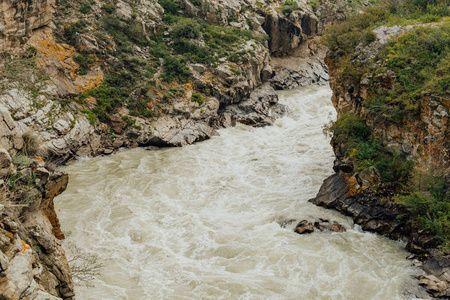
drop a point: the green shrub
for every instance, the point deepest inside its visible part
(314, 4)
(419, 70)
(170, 7)
(128, 120)
(352, 137)
(90, 116)
(289, 6)
(175, 68)
(186, 28)
(109, 8)
(85, 8)
(77, 27)
(430, 205)
(370, 37)
(197, 98)
(349, 129)
(83, 61)
(237, 72)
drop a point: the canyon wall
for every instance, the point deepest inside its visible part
(392, 140)
(81, 79)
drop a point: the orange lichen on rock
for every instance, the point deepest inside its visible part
(25, 247)
(352, 184)
(57, 59)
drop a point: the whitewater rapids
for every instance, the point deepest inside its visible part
(210, 220)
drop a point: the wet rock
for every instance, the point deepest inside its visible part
(336, 227)
(304, 227)
(325, 225)
(433, 285)
(260, 109)
(108, 151)
(151, 148)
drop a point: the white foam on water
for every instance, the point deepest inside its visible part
(203, 221)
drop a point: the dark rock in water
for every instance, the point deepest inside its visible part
(339, 192)
(304, 227)
(325, 225)
(261, 109)
(151, 148)
(108, 151)
(434, 286)
(319, 226)
(336, 227)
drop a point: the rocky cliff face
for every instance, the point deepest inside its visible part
(424, 137)
(369, 124)
(84, 78)
(21, 20)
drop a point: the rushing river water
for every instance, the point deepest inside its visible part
(203, 221)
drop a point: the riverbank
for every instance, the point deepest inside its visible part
(392, 134)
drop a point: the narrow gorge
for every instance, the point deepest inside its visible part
(82, 79)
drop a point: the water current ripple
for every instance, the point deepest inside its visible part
(203, 221)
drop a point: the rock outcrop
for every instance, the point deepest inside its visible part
(20, 20)
(359, 190)
(33, 264)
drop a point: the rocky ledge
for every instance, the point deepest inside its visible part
(339, 192)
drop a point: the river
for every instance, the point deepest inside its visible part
(208, 221)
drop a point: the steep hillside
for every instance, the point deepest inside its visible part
(389, 71)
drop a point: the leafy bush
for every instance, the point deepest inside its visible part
(186, 28)
(83, 61)
(109, 8)
(419, 69)
(352, 137)
(314, 4)
(197, 98)
(85, 8)
(128, 120)
(349, 129)
(77, 27)
(289, 6)
(170, 7)
(430, 204)
(90, 116)
(175, 68)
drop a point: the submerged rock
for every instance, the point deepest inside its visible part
(321, 224)
(304, 227)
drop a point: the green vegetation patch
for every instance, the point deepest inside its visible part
(352, 138)
(418, 64)
(289, 6)
(420, 60)
(429, 202)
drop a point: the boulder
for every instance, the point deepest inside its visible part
(304, 227)
(86, 43)
(433, 285)
(6, 165)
